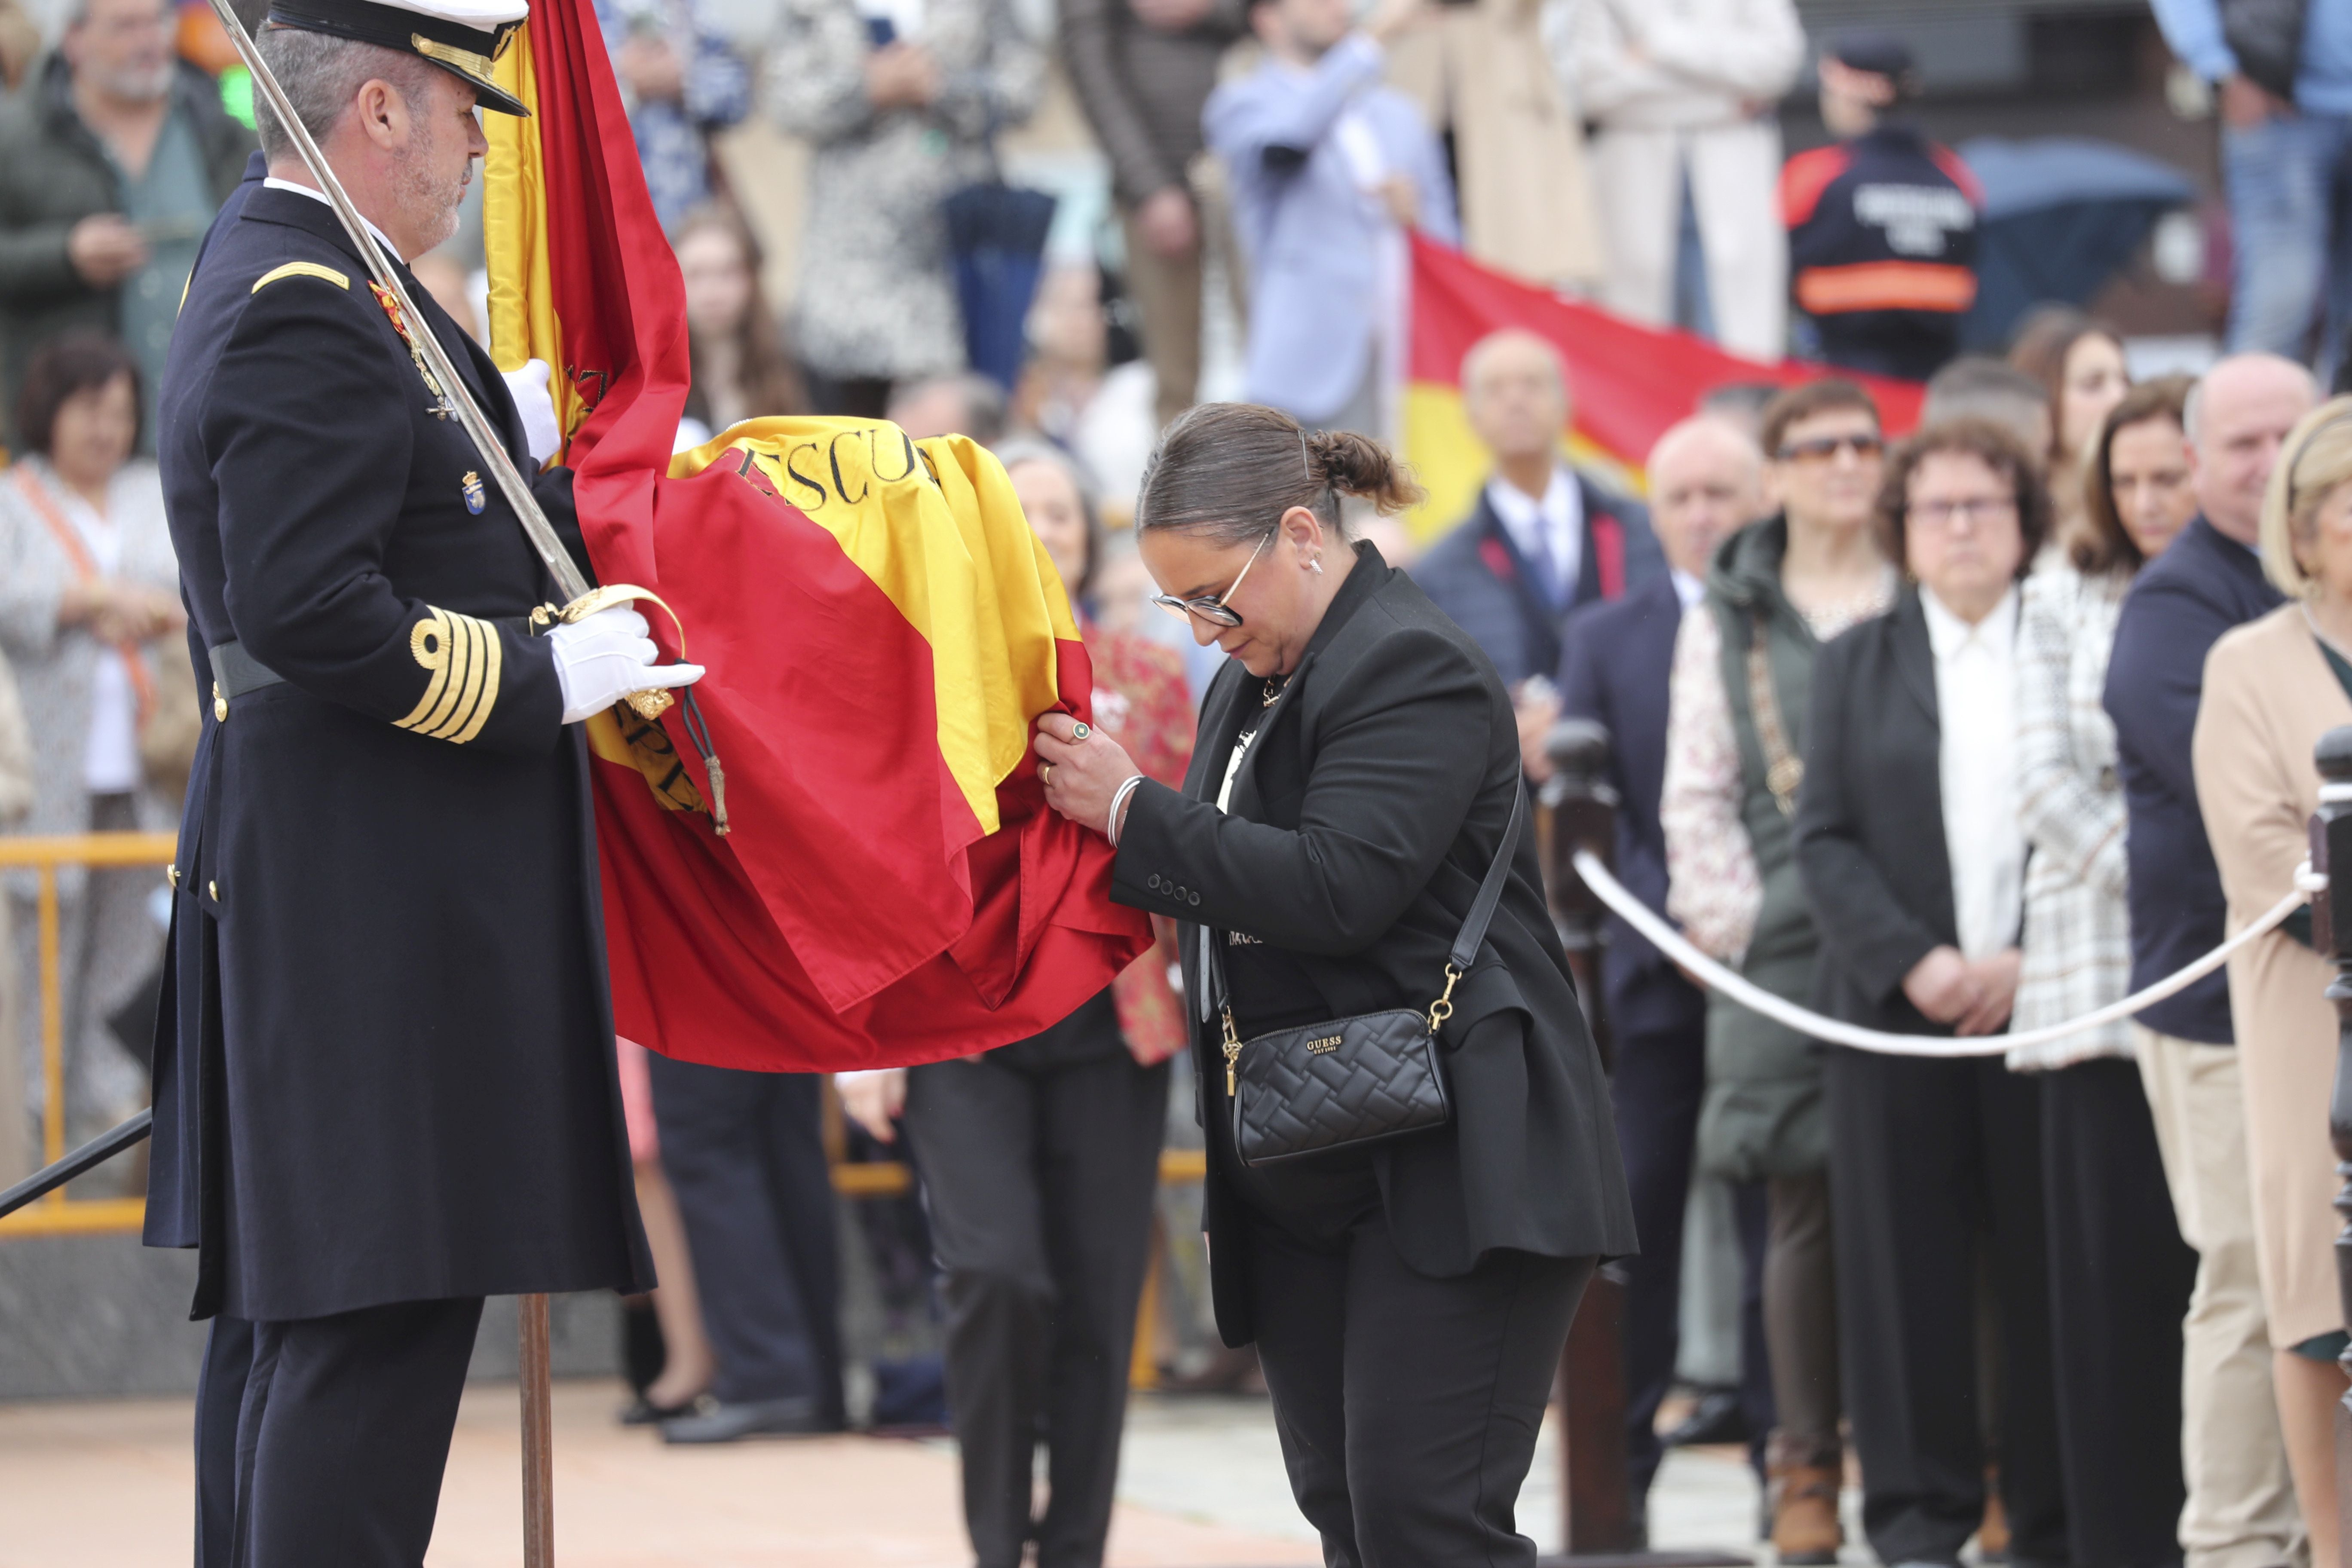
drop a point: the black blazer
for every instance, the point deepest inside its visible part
(1617, 671)
(1870, 820)
(1365, 815)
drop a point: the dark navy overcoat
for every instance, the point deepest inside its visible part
(385, 1063)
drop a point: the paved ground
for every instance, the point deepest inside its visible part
(102, 1484)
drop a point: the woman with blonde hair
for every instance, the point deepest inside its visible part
(2273, 689)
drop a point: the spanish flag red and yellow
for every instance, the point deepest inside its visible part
(1632, 383)
(880, 626)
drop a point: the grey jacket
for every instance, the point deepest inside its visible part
(877, 297)
(53, 174)
(1143, 88)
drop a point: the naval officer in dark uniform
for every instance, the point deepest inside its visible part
(385, 1082)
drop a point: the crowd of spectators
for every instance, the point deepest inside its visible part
(1969, 734)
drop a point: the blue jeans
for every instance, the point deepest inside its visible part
(2288, 180)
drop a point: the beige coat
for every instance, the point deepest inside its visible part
(1481, 69)
(2269, 697)
(1682, 93)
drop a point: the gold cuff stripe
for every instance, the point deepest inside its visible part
(296, 270)
(464, 656)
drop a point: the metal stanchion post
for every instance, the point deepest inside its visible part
(1598, 1525)
(2331, 847)
(1579, 811)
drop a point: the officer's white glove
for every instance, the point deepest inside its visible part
(529, 387)
(604, 657)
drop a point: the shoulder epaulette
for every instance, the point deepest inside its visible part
(301, 270)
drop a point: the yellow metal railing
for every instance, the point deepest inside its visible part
(54, 1216)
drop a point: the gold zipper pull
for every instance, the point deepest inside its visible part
(1233, 1051)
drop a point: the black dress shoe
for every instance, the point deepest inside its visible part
(644, 1412)
(713, 1421)
(1715, 1418)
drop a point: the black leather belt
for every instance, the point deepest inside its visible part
(236, 672)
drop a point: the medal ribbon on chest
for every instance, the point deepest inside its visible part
(385, 297)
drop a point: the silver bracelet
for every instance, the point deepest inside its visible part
(1119, 799)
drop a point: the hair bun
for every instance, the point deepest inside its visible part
(1358, 466)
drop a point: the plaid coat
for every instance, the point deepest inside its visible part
(2077, 930)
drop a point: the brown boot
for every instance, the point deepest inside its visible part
(1805, 1513)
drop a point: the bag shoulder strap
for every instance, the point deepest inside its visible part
(69, 537)
(1490, 891)
(1464, 951)
(85, 566)
(1784, 771)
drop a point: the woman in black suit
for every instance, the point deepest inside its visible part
(1356, 764)
(1913, 855)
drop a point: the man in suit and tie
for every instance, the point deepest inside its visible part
(1544, 540)
(1707, 479)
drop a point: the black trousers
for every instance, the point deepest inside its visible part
(1935, 1171)
(1407, 1406)
(745, 1154)
(324, 1439)
(2119, 1282)
(220, 1394)
(1038, 1181)
(1660, 1080)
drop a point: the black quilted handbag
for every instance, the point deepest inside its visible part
(1352, 1080)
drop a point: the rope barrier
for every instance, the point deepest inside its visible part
(1740, 989)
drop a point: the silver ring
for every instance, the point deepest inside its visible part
(1081, 730)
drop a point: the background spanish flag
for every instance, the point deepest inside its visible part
(1630, 382)
(880, 628)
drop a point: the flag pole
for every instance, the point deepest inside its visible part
(537, 1436)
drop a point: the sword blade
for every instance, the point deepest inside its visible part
(569, 579)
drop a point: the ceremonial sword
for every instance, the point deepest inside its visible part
(581, 598)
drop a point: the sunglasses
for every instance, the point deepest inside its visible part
(1212, 608)
(1821, 448)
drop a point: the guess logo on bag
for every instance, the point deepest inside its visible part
(1323, 1046)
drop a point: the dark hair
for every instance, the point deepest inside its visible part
(1990, 443)
(66, 367)
(771, 385)
(1230, 470)
(2104, 542)
(1804, 401)
(2043, 346)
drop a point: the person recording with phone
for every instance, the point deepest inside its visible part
(1357, 893)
